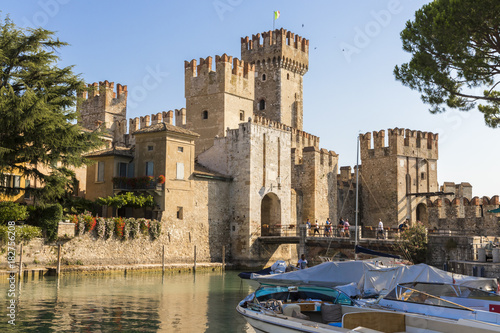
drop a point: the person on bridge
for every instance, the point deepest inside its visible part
(316, 228)
(340, 228)
(380, 229)
(346, 228)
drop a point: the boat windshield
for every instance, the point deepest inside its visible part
(451, 290)
(302, 293)
(412, 295)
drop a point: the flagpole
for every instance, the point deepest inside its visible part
(274, 15)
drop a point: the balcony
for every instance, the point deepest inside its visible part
(146, 183)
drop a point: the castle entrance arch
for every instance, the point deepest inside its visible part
(270, 215)
(422, 215)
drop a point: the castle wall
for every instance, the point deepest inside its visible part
(258, 159)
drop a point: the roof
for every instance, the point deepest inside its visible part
(204, 172)
(164, 127)
(115, 151)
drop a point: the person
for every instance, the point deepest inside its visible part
(340, 228)
(328, 230)
(302, 263)
(404, 226)
(328, 222)
(316, 228)
(308, 225)
(380, 229)
(347, 233)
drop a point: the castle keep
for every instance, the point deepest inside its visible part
(237, 164)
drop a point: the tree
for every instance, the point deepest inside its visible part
(38, 129)
(455, 47)
(413, 243)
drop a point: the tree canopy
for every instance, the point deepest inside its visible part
(39, 136)
(455, 47)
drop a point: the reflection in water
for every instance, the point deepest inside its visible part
(145, 302)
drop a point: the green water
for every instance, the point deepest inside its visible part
(138, 302)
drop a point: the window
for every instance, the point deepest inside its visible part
(150, 148)
(242, 115)
(180, 149)
(149, 168)
(180, 171)
(288, 76)
(17, 181)
(180, 213)
(204, 114)
(422, 175)
(26, 191)
(100, 172)
(264, 77)
(262, 104)
(122, 169)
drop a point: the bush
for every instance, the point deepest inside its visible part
(23, 233)
(49, 220)
(11, 211)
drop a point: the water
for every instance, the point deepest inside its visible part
(138, 302)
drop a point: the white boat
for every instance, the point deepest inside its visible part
(444, 300)
(281, 309)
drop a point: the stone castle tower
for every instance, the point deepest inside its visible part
(281, 59)
(216, 100)
(398, 178)
(102, 107)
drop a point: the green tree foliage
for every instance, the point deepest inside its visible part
(413, 243)
(49, 217)
(37, 115)
(129, 199)
(455, 47)
(11, 211)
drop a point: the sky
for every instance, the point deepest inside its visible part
(349, 88)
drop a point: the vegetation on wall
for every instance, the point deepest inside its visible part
(11, 211)
(23, 233)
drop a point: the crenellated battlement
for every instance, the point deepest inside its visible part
(401, 142)
(99, 105)
(494, 202)
(231, 75)
(237, 67)
(138, 123)
(278, 48)
(300, 139)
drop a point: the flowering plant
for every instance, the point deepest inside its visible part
(161, 179)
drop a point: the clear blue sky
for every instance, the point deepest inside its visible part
(350, 88)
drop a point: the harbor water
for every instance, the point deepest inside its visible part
(136, 302)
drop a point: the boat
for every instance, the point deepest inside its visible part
(443, 300)
(278, 267)
(316, 309)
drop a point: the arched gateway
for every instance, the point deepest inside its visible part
(270, 215)
(422, 214)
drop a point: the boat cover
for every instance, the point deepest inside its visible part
(370, 278)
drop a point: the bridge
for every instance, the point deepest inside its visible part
(335, 242)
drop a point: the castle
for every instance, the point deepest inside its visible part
(238, 165)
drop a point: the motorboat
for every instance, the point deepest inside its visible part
(278, 267)
(316, 309)
(443, 300)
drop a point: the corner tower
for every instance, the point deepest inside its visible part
(281, 59)
(397, 178)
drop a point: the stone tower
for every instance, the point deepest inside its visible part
(102, 107)
(281, 58)
(216, 100)
(397, 178)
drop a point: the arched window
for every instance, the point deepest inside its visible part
(262, 104)
(204, 114)
(264, 77)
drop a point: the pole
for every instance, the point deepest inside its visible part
(357, 187)
(273, 20)
(20, 261)
(163, 260)
(194, 267)
(58, 260)
(223, 257)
